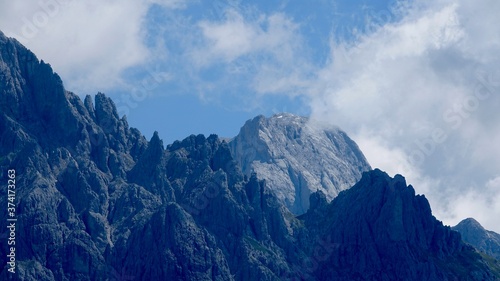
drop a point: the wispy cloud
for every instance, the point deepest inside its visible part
(413, 86)
(255, 52)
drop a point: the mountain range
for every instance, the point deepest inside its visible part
(297, 156)
(95, 200)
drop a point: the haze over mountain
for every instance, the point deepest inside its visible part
(96, 201)
(297, 157)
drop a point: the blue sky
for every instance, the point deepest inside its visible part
(415, 83)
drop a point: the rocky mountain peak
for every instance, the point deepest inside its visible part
(471, 224)
(26, 72)
(105, 108)
(393, 226)
(298, 156)
(484, 240)
(156, 144)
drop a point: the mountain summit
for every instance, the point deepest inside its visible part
(484, 240)
(297, 156)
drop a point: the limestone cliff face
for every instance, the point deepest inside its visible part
(297, 156)
(95, 200)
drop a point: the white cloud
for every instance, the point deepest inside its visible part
(228, 40)
(381, 154)
(483, 206)
(269, 48)
(426, 87)
(89, 43)
(235, 37)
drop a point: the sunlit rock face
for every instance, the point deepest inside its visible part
(297, 156)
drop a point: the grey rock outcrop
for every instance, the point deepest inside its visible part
(380, 230)
(298, 156)
(484, 240)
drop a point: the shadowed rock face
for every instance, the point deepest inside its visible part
(297, 157)
(381, 229)
(97, 201)
(484, 240)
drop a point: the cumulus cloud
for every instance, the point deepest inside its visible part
(427, 87)
(89, 43)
